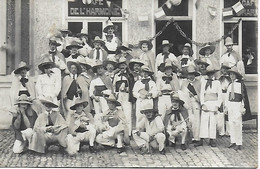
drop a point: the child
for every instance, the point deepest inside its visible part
(147, 55)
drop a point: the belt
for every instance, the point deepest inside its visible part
(211, 97)
(238, 98)
(166, 92)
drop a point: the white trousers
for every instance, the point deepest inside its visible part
(235, 122)
(101, 106)
(221, 123)
(73, 142)
(195, 117)
(164, 103)
(127, 109)
(108, 138)
(19, 145)
(139, 104)
(179, 131)
(208, 125)
(144, 139)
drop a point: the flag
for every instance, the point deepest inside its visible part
(227, 12)
(143, 18)
(239, 8)
(168, 4)
(175, 2)
(159, 13)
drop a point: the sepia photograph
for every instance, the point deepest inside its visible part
(129, 83)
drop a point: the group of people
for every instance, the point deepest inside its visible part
(107, 95)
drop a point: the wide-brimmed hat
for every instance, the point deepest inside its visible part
(148, 42)
(234, 69)
(191, 70)
(145, 108)
(78, 102)
(49, 100)
(83, 31)
(106, 93)
(201, 61)
(225, 65)
(122, 60)
(98, 40)
(53, 41)
(133, 62)
(124, 47)
(168, 63)
(79, 69)
(74, 44)
(109, 24)
(210, 70)
(228, 41)
(175, 97)
(111, 61)
(85, 61)
(210, 47)
(98, 64)
(22, 65)
(45, 62)
(165, 43)
(23, 99)
(145, 68)
(112, 98)
(186, 45)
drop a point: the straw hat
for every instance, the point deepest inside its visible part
(133, 62)
(124, 47)
(53, 41)
(210, 47)
(122, 60)
(210, 69)
(83, 31)
(98, 40)
(22, 65)
(79, 69)
(228, 41)
(225, 65)
(74, 44)
(175, 97)
(201, 61)
(109, 24)
(82, 61)
(113, 99)
(97, 65)
(234, 69)
(49, 100)
(145, 108)
(169, 63)
(145, 68)
(112, 61)
(78, 102)
(45, 62)
(187, 45)
(23, 99)
(191, 70)
(148, 42)
(165, 43)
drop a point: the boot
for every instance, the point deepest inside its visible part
(162, 152)
(92, 149)
(212, 143)
(183, 147)
(199, 143)
(238, 147)
(232, 145)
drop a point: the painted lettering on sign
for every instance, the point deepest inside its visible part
(97, 8)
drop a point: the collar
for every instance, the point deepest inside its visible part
(85, 74)
(48, 112)
(71, 75)
(191, 81)
(112, 111)
(146, 78)
(20, 77)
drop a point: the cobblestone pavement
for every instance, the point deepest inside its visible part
(205, 156)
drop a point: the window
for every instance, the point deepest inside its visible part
(249, 5)
(180, 10)
(227, 28)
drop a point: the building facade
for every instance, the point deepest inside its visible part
(26, 23)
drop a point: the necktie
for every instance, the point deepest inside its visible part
(167, 79)
(192, 89)
(166, 56)
(23, 81)
(209, 83)
(98, 54)
(184, 61)
(49, 120)
(53, 55)
(229, 54)
(177, 115)
(232, 96)
(146, 83)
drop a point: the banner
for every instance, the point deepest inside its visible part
(239, 8)
(159, 13)
(227, 12)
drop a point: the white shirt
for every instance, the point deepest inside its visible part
(160, 59)
(216, 88)
(93, 83)
(228, 59)
(100, 54)
(139, 85)
(153, 127)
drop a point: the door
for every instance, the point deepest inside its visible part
(3, 37)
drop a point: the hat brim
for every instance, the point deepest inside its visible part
(195, 73)
(131, 65)
(147, 111)
(94, 68)
(73, 46)
(23, 102)
(106, 28)
(84, 103)
(48, 102)
(237, 73)
(198, 61)
(88, 66)
(180, 48)
(106, 62)
(225, 66)
(149, 72)
(150, 45)
(211, 72)
(117, 103)
(99, 41)
(124, 48)
(55, 43)
(202, 50)
(17, 71)
(79, 69)
(229, 43)
(178, 100)
(81, 34)
(42, 65)
(169, 44)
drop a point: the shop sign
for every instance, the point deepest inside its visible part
(97, 8)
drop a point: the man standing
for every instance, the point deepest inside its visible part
(74, 50)
(98, 53)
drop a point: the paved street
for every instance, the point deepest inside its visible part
(205, 156)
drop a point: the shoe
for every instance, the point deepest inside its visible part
(238, 147)
(92, 149)
(183, 147)
(232, 145)
(212, 143)
(162, 152)
(199, 143)
(120, 150)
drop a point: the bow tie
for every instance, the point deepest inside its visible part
(53, 52)
(167, 79)
(184, 61)
(146, 82)
(23, 81)
(177, 114)
(209, 83)
(74, 56)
